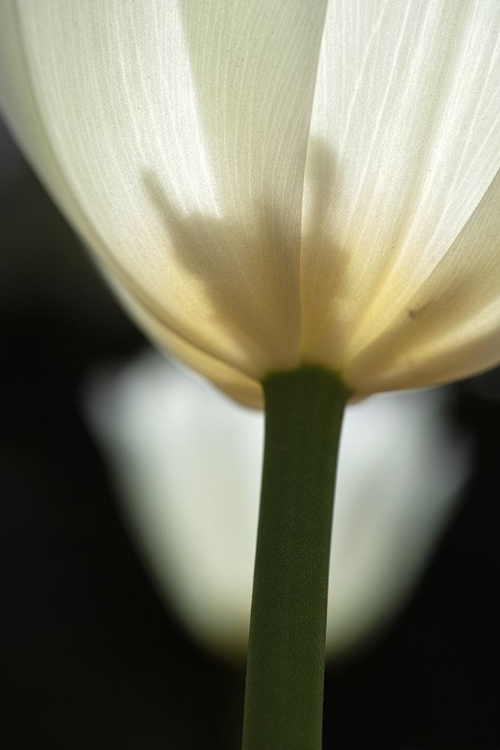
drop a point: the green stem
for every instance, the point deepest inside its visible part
(286, 653)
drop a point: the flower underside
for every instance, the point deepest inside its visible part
(313, 184)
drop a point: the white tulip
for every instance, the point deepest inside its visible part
(276, 182)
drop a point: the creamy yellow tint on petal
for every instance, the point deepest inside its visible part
(450, 326)
(405, 142)
(232, 382)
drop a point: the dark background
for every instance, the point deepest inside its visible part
(89, 657)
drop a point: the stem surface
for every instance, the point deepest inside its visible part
(286, 652)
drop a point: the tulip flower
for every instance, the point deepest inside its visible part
(271, 186)
(300, 200)
(196, 530)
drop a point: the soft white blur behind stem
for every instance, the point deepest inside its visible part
(187, 462)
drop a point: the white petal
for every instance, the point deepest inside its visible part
(232, 382)
(405, 142)
(20, 109)
(180, 131)
(450, 327)
(188, 465)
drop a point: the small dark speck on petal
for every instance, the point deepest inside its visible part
(416, 311)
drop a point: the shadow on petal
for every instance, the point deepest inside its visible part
(248, 269)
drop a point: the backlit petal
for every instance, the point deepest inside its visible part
(405, 142)
(247, 233)
(179, 130)
(449, 328)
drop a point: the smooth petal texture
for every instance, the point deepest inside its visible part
(179, 130)
(187, 463)
(398, 280)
